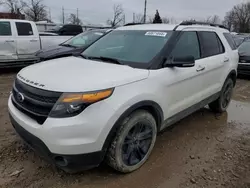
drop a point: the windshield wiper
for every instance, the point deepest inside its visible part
(106, 59)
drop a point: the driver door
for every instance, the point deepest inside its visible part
(184, 85)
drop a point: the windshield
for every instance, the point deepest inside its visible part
(129, 45)
(244, 48)
(84, 39)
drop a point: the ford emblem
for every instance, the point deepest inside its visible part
(20, 97)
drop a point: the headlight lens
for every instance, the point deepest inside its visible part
(72, 104)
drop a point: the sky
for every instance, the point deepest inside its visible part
(99, 11)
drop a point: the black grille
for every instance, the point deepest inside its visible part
(37, 103)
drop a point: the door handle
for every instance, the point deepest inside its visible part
(33, 40)
(200, 68)
(226, 59)
(9, 41)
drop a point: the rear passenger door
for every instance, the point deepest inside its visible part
(7, 42)
(27, 42)
(213, 62)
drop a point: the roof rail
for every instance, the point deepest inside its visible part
(202, 23)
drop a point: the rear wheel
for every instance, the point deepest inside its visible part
(133, 142)
(222, 103)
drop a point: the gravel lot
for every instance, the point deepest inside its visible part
(203, 150)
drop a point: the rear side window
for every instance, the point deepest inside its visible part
(210, 44)
(5, 29)
(230, 41)
(187, 45)
(24, 29)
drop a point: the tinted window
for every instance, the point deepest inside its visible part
(24, 29)
(5, 29)
(230, 40)
(129, 46)
(210, 44)
(188, 45)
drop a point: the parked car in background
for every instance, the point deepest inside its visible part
(238, 40)
(67, 29)
(244, 61)
(74, 46)
(20, 40)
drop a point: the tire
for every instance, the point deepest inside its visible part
(133, 142)
(222, 103)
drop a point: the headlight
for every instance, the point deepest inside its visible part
(72, 104)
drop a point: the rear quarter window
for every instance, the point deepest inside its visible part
(230, 41)
(211, 44)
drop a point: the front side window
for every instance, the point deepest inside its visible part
(210, 44)
(187, 45)
(84, 39)
(5, 29)
(24, 29)
(129, 46)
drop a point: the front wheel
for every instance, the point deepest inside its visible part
(222, 103)
(133, 142)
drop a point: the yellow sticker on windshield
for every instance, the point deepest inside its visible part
(157, 34)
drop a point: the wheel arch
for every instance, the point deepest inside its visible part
(233, 76)
(150, 106)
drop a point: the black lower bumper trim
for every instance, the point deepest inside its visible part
(68, 163)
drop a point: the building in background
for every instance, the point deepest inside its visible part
(5, 15)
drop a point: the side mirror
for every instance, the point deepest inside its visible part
(187, 61)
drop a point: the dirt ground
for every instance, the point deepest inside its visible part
(203, 150)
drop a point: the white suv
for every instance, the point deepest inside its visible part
(110, 103)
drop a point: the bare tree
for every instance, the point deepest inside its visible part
(165, 20)
(229, 20)
(213, 19)
(35, 10)
(139, 18)
(13, 6)
(73, 19)
(118, 16)
(238, 19)
(151, 19)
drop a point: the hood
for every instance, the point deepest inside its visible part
(57, 51)
(75, 74)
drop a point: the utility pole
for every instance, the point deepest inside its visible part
(133, 17)
(145, 11)
(77, 16)
(63, 18)
(124, 19)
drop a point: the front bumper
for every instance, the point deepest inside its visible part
(68, 163)
(244, 69)
(73, 144)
